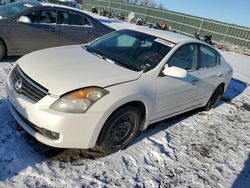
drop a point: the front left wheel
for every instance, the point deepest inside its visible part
(119, 130)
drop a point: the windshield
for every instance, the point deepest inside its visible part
(13, 8)
(134, 50)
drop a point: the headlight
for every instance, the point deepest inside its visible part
(78, 101)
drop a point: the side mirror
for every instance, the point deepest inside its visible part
(174, 72)
(24, 19)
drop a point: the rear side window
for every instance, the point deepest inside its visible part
(70, 18)
(208, 57)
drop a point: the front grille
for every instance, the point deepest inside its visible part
(24, 85)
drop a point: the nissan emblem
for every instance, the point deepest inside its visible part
(18, 84)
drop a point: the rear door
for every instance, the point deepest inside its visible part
(210, 71)
(42, 32)
(75, 28)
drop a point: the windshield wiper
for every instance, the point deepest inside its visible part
(114, 61)
(127, 66)
(98, 55)
(111, 60)
(84, 47)
(94, 53)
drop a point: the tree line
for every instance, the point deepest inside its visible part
(147, 3)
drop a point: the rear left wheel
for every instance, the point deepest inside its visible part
(2, 50)
(215, 98)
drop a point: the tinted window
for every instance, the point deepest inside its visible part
(125, 41)
(133, 49)
(185, 57)
(208, 57)
(43, 17)
(69, 18)
(14, 8)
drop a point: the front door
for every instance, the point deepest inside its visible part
(174, 95)
(42, 32)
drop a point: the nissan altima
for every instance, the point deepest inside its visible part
(99, 95)
(27, 26)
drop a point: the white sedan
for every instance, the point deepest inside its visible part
(99, 95)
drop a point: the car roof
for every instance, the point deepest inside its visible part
(167, 35)
(45, 4)
(58, 6)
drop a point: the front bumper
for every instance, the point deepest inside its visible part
(74, 130)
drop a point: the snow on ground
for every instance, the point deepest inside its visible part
(196, 149)
(241, 65)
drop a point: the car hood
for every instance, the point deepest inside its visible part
(68, 68)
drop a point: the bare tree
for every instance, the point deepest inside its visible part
(161, 6)
(148, 3)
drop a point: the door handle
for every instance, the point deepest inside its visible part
(52, 30)
(194, 81)
(219, 74)
(88, 32)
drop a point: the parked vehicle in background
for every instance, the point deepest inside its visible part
(70, 3)
(100, 94)
(3, 2)
(28, 26)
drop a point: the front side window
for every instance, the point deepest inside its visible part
(185, 57)
(70, 18)
(132, 49)
(208, 57)
(43, 17)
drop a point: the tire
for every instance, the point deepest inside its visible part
(2, 50)
(119, 130)
(215, 98)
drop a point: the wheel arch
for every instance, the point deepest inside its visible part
(141, 106)
(5, 45)
(208, 106)
(222, 84)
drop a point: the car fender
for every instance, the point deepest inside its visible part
(119, 101)
(4, 33)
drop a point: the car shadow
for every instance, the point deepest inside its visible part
(235, 88)
(19, 150)
(243, 179)
(10, 59)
